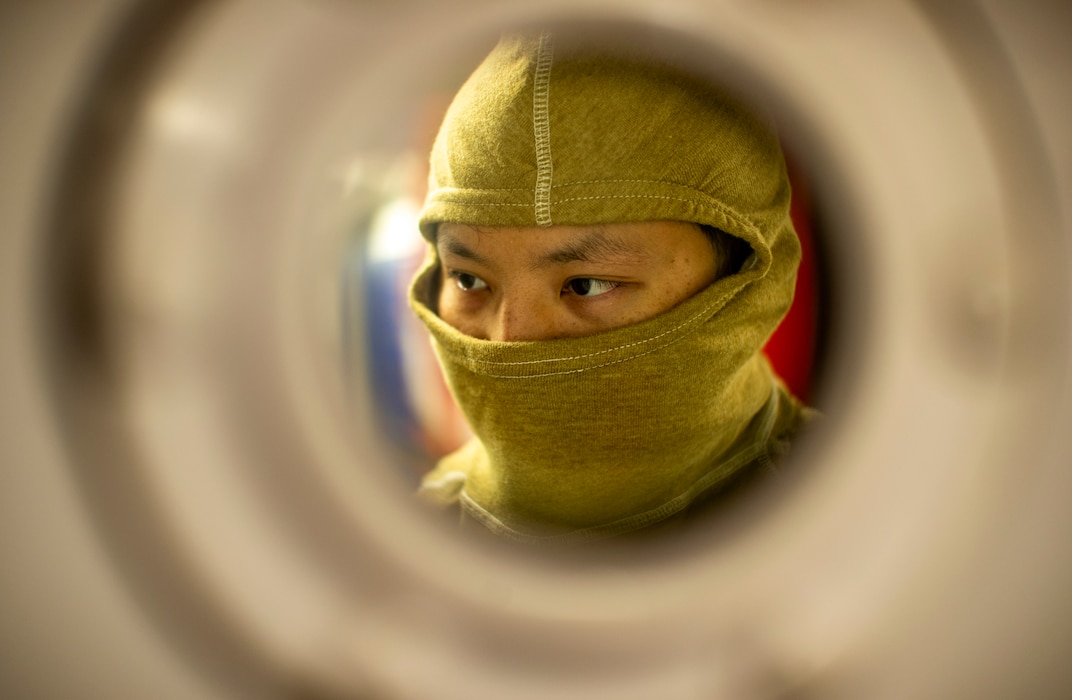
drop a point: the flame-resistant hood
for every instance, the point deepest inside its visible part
(610, 432)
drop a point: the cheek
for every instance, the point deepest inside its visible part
(448, 307)
(441, 302)
(458, 312)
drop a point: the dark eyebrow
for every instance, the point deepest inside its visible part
(595, 246)
(455, 247)
(592, 246)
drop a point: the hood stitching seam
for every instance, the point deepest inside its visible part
(541, 119)
(667, 344)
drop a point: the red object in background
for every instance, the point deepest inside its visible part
(791, 349)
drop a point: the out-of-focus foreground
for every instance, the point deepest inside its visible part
(201, 497)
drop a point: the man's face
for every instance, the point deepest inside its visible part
(515, 284)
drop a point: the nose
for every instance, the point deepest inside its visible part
(523, 318)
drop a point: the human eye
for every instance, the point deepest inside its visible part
(589, 286)
(467, 282)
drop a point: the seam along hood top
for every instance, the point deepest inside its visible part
(582, 438)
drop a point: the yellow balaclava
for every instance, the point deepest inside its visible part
(581, 438)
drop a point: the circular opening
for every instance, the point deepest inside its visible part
(224, 361)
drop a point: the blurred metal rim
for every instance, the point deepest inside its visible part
(491, 604)
(77, 350)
